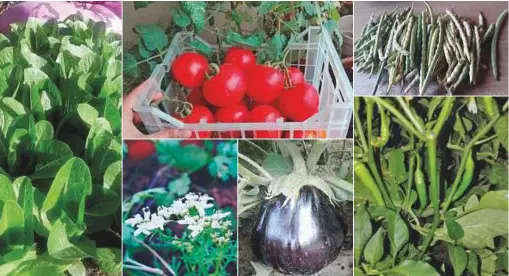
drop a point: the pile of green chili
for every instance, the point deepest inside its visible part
(412, 47)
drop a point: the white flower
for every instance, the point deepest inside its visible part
(133, 221)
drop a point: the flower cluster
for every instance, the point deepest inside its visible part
(189, 211)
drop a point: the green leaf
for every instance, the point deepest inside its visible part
(141, 4)
(43, 132)
(266, 7)
(196, 11)
(61, 248)
(50, 155)
(153, 36)
(396, 172)
(501, 130)
(6, 191)
(458, 257)
(187, 158)
(309, 7)
(497, 175)
(130, 67)
(26, 201)
(363, 231)
(480, 227)
(68, 192)
(473, 263)
(454, 230)
(276, 165)
(253, 41)
(109, 260)
(412, 268)
(113, 177)
(180, 186)
(397, 231)
(11, 223)
(494, 200)
(180, 18)
(10, 268)
(202, 48)
(374, 249)
(102, 202)
(142, 50)
(488, 262)
(77, 268)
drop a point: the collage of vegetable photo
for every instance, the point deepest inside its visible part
(254, 138)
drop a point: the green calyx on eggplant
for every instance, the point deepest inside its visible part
(299, 235)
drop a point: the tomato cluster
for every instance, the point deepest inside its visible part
(242, 91)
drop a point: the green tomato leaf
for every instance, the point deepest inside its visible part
(266, 7)
(153, 36)
(202, 48)
(130, 67)
(180, 18)
(252, 41)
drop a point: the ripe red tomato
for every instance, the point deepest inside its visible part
(226, 88)
(265, 114)
(140, 149)
(232, 114)
(189, 69)
(264, 84)
(199, 113)
(299, 102)
(196, 97)
(321, 134)
(242, 58)
(294, 76)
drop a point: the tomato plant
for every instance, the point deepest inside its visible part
(189, 69)
(431, 186)
(265, 114)
(227, 88)
(265, 84)
(299, 102)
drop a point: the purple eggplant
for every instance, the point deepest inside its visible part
(301, 237)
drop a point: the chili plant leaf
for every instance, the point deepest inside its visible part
(397, 231)
(473, 263)
(480, 227)
(458, 257)
(412, 268)
(454, 230)
(374, 249)
(363, 231)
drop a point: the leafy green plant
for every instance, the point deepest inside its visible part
(277, 24)
(59, 148)
(427, 200)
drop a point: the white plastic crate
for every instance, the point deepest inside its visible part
(323, 69)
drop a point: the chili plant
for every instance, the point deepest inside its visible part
(278, 23)
(60, 148)
(431, 186)
(290, 195)
(181, 219)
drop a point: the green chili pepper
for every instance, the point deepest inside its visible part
(494, 41)
(420, 185)
(466, 178)
(434, 191)
(382, 140)
(490, 106)
(364, 175)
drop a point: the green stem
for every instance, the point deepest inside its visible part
(402, 120)
(406, 108)
(254, 164)
(152, 57)
(444, 115)
(360, 132)
(410, 182)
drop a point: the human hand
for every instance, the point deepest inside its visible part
(129, 118)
